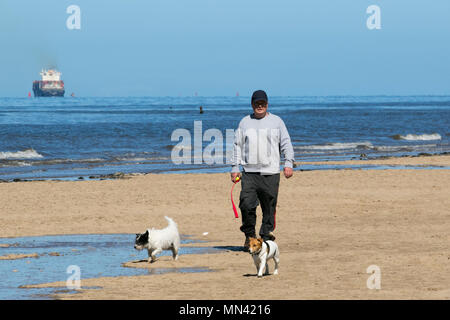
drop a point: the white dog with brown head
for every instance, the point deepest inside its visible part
(261, 252)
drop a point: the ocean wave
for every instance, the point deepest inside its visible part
(337, 146)
(25, 154)
(14, 163)
(394, 148)
(69, 161)
(407, 148)
(418, 137)
(137, 159)
(47, 162)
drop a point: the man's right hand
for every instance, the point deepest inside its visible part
(234, 175)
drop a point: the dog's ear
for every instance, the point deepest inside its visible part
(146, 233)
(260, 240)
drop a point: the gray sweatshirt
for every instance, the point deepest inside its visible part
(257, 145)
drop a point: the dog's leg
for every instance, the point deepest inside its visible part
(262, 265)
(256, 261)
(154, 253)
(149, 255)
(267, 269)
(174, 252)
(276, 258)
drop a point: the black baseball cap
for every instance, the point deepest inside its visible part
(259, 95)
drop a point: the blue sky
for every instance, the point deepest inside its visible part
(171, 48)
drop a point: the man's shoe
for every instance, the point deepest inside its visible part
(247, 243)
(270, 236)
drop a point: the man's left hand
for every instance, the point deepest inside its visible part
(288, 172)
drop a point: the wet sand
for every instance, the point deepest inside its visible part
(18, 256)
(331, 226)
(438, 161)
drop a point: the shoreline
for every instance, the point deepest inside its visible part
(441, 159)
(331, 225)
(420, 161)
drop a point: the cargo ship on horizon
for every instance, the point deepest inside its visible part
(50, 84)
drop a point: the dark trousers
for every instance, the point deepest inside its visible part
(263, 189)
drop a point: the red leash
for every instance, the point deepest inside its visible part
(232, 202)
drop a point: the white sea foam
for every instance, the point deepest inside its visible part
(25, 154)
(419, 137)
(338, 146)
(132, 159)
(137, 159)
(15, 163)
(405, 147)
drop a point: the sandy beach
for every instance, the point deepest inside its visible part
(331, 226)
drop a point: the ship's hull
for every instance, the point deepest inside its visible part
(49, 93)
(40, 91)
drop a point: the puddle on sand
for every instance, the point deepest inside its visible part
(97, 255)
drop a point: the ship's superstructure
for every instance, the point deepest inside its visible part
(50, 85)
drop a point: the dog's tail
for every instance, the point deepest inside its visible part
(171, 222)
(173, 225)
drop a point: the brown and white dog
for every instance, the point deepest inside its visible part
(262, 251)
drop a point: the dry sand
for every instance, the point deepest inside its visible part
(331, 225)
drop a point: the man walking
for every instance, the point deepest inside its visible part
(257, 145)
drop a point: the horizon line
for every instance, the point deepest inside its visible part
(240, 96)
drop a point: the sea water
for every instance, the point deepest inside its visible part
(69, 138)
(96, 255)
